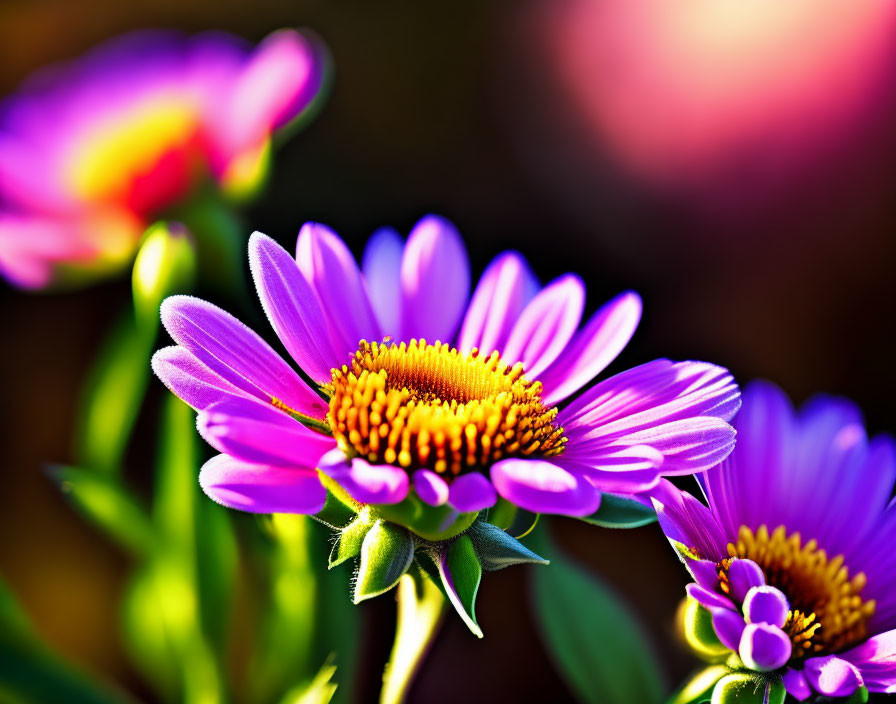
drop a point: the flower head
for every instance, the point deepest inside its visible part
(420, 393)
(793, 557)
(94, 150)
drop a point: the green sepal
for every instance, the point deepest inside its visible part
(502, 513)
(700, 634)
(386, 554)
(497, 550)
(619, 512)
(433, 523)
(349, 540)
(698, 690)
(742, 688)
(461, 573)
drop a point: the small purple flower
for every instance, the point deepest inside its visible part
(92, 151)
(419, 389)
(794, 556)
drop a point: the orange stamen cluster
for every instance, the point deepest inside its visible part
(827, 611)
(420, 405)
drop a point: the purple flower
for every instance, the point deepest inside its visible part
(419, 388)
(92, 151)
(794, 556)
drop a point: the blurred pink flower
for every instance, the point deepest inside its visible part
(93, 150)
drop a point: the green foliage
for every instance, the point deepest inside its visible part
(29, 671)
(594, 641)
(698, 689)
(619, 512)
(743, 688)
(461, 573)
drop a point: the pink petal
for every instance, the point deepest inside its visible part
(546, 325)
(430, 487)
(543, 487)
(471, 492)
(381, 265)
(593, 347)
(501, 295)
(365, 482)
(189, 379)
(261, 488)
(253, 432)
(435, 281)
(293, 308)
(328, 265)
(236, 353)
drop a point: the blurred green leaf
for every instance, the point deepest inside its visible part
(113, 396)
(319, 691)
(284, 653)
(31, 672)
(594, 641)
(108, 505)
(620, 512)
(698, 689)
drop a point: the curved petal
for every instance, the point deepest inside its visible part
(430, 487)
(435, 281)
(796, 684)
(328, 265)
(471, 492)
(236, 353)
(279, 80)
(766, 604)
(253, 432)
(293, 308)
(876, 661)
(764, 648)
(708, 598)
(546, 325)
(744, 575)
(365, 482)
(543, 487)
(685, 520)
(832, 676)
(189, 379)
(502, 293)
(592, 348)
(381, 265)
(261, 488)
(729, 627)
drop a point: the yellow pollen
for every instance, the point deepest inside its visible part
(420, 405)
(827, 613)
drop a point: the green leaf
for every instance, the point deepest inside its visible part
(320, 690)
(596, 644)
(700, 634)
(699, 688)
(108, 505)
(497, 550)
(461, 572)
(421, 606)
(336, 513)
(386, 554)
(13, 620)
(283, 656)
(620, 512)
(113, 396)
(349, 540)
(30, 671)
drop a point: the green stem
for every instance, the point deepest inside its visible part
(421, 606)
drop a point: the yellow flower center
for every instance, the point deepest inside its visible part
(827, 613)
(420, 405)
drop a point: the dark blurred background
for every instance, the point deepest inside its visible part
(467, 109)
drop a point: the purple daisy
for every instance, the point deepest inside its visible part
(92, 151)
(417, 387)
(794, 556)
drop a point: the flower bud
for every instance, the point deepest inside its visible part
(165, 264)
